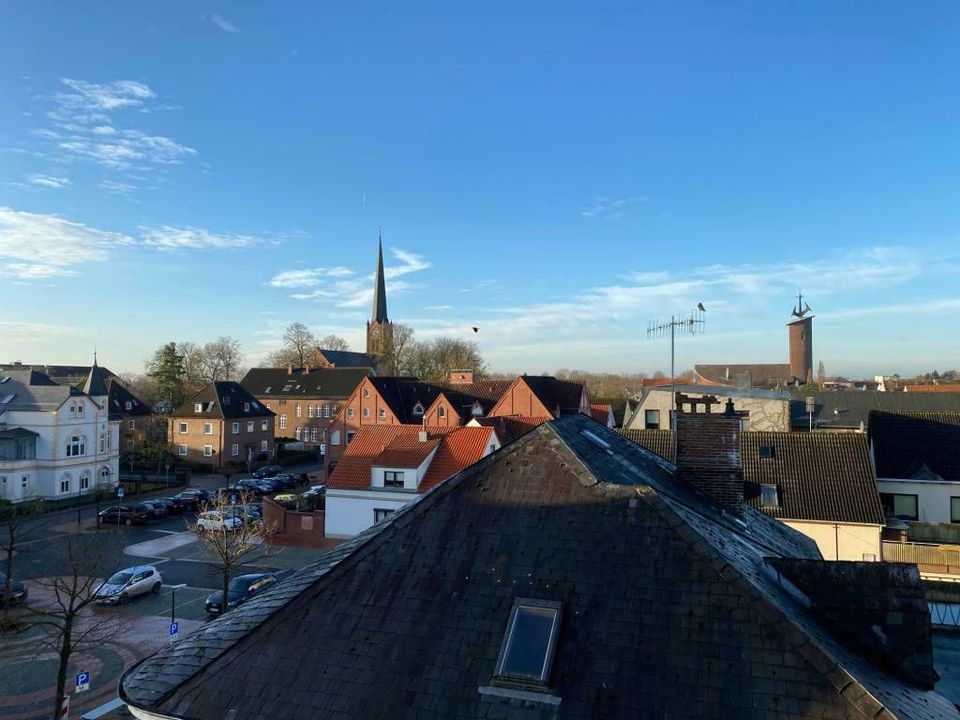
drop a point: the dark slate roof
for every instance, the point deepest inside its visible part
(33, 391)
(561, 397)
(322, 383)
(760, 375)
(819, 476)
(905, 444)
(119, 397)
(60, 374)
(222, 399)
(849, 409)
(491, 390)
(349, 359)
(403, 393)
(95, 385)
(670, 608)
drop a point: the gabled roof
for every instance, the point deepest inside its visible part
(760, 375)
(906, 443)
(349, 359)
(490, 390)
(931, 388)
(600, 412)
(60, 374)
(118, 398)
(222, 399)
(31, 390)
(558, 397)
(401, 394)
(510, 427)
(324, 383)
(819, 476)
(668, 606)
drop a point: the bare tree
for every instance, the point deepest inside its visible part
(221, 359)
(299, 342)
(233, 540)
(61, 610)
(22, 523)
(333, 342)
(396, 360)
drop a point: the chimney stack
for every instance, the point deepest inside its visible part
(424, 435)
(306, 369)
(289, 368)
(461, 377)
(708, 450)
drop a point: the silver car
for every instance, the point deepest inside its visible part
(128, 583)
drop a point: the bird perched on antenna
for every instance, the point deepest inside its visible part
(700, 307)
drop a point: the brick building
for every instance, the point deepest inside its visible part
(542, 396)
(222, 427)
(305, 399)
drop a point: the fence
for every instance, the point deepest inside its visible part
(934, 558)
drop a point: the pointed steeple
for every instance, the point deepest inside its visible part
(95, 386)
(379, 313)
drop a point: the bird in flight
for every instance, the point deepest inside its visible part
(700, 307)
(476, 329)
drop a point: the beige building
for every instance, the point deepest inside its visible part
(769, 410)
(224, 428)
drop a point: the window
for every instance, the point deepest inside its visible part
(24, 484)
(246, 407)
(311, 412)
(182, 450)
(350, 413)
(393, 478)
(198, 407)
(103, 442)
(283, 422)
(84, 482)
(766, 451)
(104, 475)
(299, 410)
(235, 428)
(326, 411)
(264, 425)
(208, 450)
(418, 409)
(76, 446)
(250, 425)
(263, 446)
(530, 641)
(335, 437)
(350, 434)
(226, 399)
(476, 410)
(769, 498)
(651, 419)
(744, 424)
(366, 392)
(65, 485)
(366, 412)
(380, 513)
(208, 428)
(128, 405)
(441, 411)
(130, 444)
(383, 413)
(132, 424)
(955, 509)
(904, 507)
(80, 409)
(183, 428)
(313, 434)
(298, 432)
(235, 449)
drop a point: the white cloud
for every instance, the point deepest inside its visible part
(437, 308)
(610, 208)
(172, 238)
(116, 187)
(307, 278)
(57, 182)
(110, 96)
(36, 246)
(30, 331)
(224, 24)
(410, 263)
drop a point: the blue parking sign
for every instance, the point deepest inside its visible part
(82, 681)
(119, 490)
(174, 630)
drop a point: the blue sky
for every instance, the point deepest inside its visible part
(555, 173)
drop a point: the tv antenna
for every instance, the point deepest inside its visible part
(691, 323)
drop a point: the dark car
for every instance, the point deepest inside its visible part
(156, 508)
(193, 497)
(241, 589)
(175, 506)
(18, 591)
(260, 487)
(267, 471)
(124, 514)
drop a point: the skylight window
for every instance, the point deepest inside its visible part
(418, 409)
(766, 451)
(530, 641)
(769, 497)
(595, 439)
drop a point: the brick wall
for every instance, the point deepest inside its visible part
(451, 418)
(708, 455)
(288, 407)
(221, 439)
(801, 349)
(362, 408)
(521, 400)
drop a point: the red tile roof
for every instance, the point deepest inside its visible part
(399, 446)
(945, 387)
(600, 412)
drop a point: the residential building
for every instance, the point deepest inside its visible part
(136, 420)
(388, 466)
(766, 409)
(56, 441)
(917, 456)
(571, 574)
(542, 396)
(821, 484)
(222, 427)
(305, 399)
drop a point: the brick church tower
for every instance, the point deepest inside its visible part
(379, 328)
(801, 343)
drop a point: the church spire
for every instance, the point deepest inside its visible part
(379, 313)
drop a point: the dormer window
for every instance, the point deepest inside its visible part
(530, 641)
(418, 409)
(769, 497)
(476, 410)
(393, 478)
(246, 407)
(198, 407)
(128, 405)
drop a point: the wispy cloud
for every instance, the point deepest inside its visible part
(35, 246)
(307, 278)
(611, 208)
(437, 308)
(224, 24)
(33, 331)
(91, 97)
(188, 238)
(57, 182)
(116, 187)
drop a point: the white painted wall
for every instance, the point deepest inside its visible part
(933, 496)
(349, 512)
(855, 541)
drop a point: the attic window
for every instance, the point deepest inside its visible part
(766, 451)
(198, 407)
(530, 641)
(286, 388)
(246, 407)
(769, 497)
(128, 405)
(476, 410)
(418, 409)
(269, 388)
(226, 399)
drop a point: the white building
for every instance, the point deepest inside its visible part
(56, 441)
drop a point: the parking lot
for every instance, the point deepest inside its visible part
(189, 571)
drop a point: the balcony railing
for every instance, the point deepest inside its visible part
(945, 557)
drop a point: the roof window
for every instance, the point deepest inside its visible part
(226, 399)
(595, 439)
(766, 451)
(198, 407)
(418, 409)
(530, 641)
(769, 497)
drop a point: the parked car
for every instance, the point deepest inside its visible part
(315, 491)
(247, 513)
(267, 471)
(240, 589)
(18, 591)
(175, 506)
(124, 514)
(156, 508)
(193, 497)
(288, 500)
(288, 480)
(128, 583)
(217, 520)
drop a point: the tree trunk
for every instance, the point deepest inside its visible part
(66, 648)
(226, 586)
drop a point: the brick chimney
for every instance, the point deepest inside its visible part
(289, 368)
(461, 377)
(708, 450)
